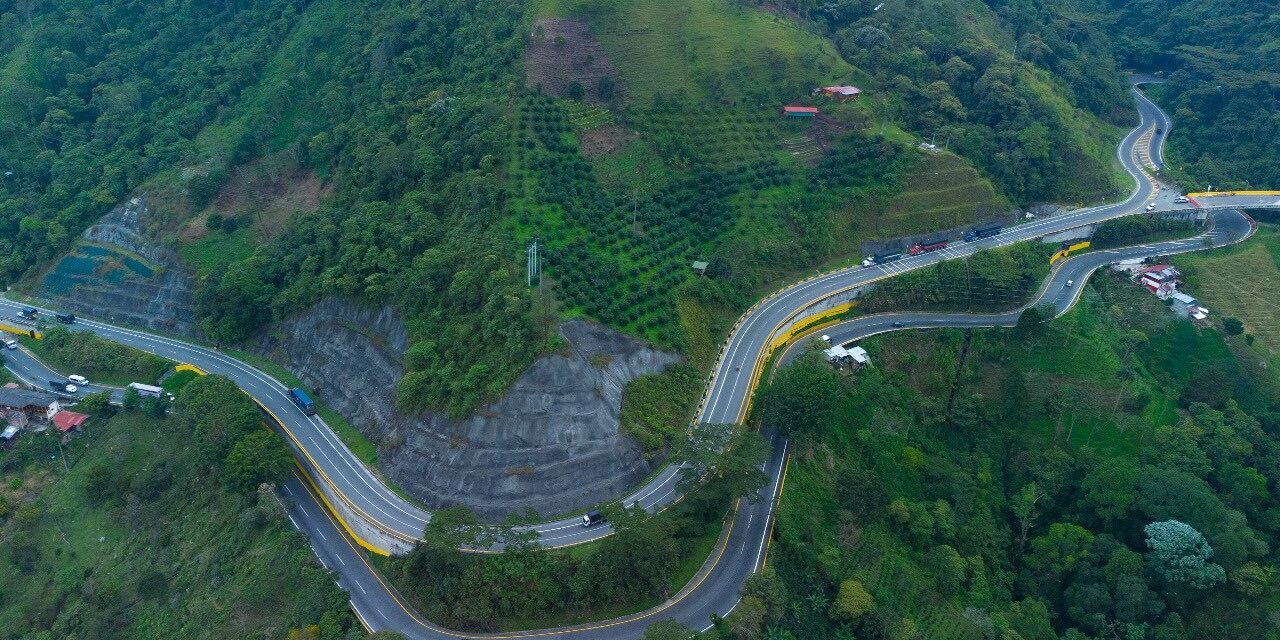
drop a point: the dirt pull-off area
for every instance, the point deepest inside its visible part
(562, 52)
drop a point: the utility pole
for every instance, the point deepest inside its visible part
(532, 266)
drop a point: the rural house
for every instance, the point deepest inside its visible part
(800, 113)
(30, 403)
(843, 93)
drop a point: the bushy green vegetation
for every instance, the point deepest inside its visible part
(1103, 475)
(650, 558)
(988, 280)
(1134, 229)
(1221, 61)
(656, 409)
(139, 538)
(98, 359)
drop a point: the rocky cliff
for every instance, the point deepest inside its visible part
(551, 444)
(116, 273)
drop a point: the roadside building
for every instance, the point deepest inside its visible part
(68, 421)
(1160, 279)
(843, 93)
(855, 357)
(800, 113)
(31, 403)
(1182, 304)
(700, 267)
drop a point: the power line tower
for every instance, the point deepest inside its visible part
(533, 264)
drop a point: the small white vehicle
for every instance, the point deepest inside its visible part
(1069, 284)
(78, 379)
(1181, 199)
(826, 338)
(1151, 207)
(10, 344)
(71, 388)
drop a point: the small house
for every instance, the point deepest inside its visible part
(800, 113)
(854, 357)
(67, 421)
(843, 93)
(1182, 304)
(32, 403)
(700, 267)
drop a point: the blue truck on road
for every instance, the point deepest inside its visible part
(303, 401)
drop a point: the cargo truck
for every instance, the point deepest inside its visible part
(881, 258)
(925, 247)
(983, 231)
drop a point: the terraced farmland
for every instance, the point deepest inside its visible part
(942, 191)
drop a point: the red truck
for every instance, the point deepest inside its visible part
(925, 247)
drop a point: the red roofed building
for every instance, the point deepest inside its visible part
(68, 421)
(843, 92)
(799, 112)
(1160, 279)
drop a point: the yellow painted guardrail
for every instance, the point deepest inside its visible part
(1066, 251)
(1210, 194)
(808, 323)
(189, 367)
(30, 332)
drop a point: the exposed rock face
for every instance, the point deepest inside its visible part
(551, 443)
(124, 277)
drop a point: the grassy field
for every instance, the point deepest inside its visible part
(941, 191)
(702, 48)
(1241, 281)
(152, 551)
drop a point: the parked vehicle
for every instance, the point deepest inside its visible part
(303, 401)
(146, 390)
(63, 385)
(1151, 206)
(77, 379)
(592, 518)
(65, 318)
(983, 231)
(925, 247)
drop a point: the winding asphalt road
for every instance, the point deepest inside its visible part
(727, 400)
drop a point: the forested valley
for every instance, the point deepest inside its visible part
(1108, 474)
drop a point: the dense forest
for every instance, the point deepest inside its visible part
(1109, 474)
(1223, 90)
(998, 83)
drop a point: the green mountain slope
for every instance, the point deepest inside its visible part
(306, 149)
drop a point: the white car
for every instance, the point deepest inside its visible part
(11, 344)
(71, 388)
(1069, 284)
(1181, 199)
(78, 379)
(1151, 207)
